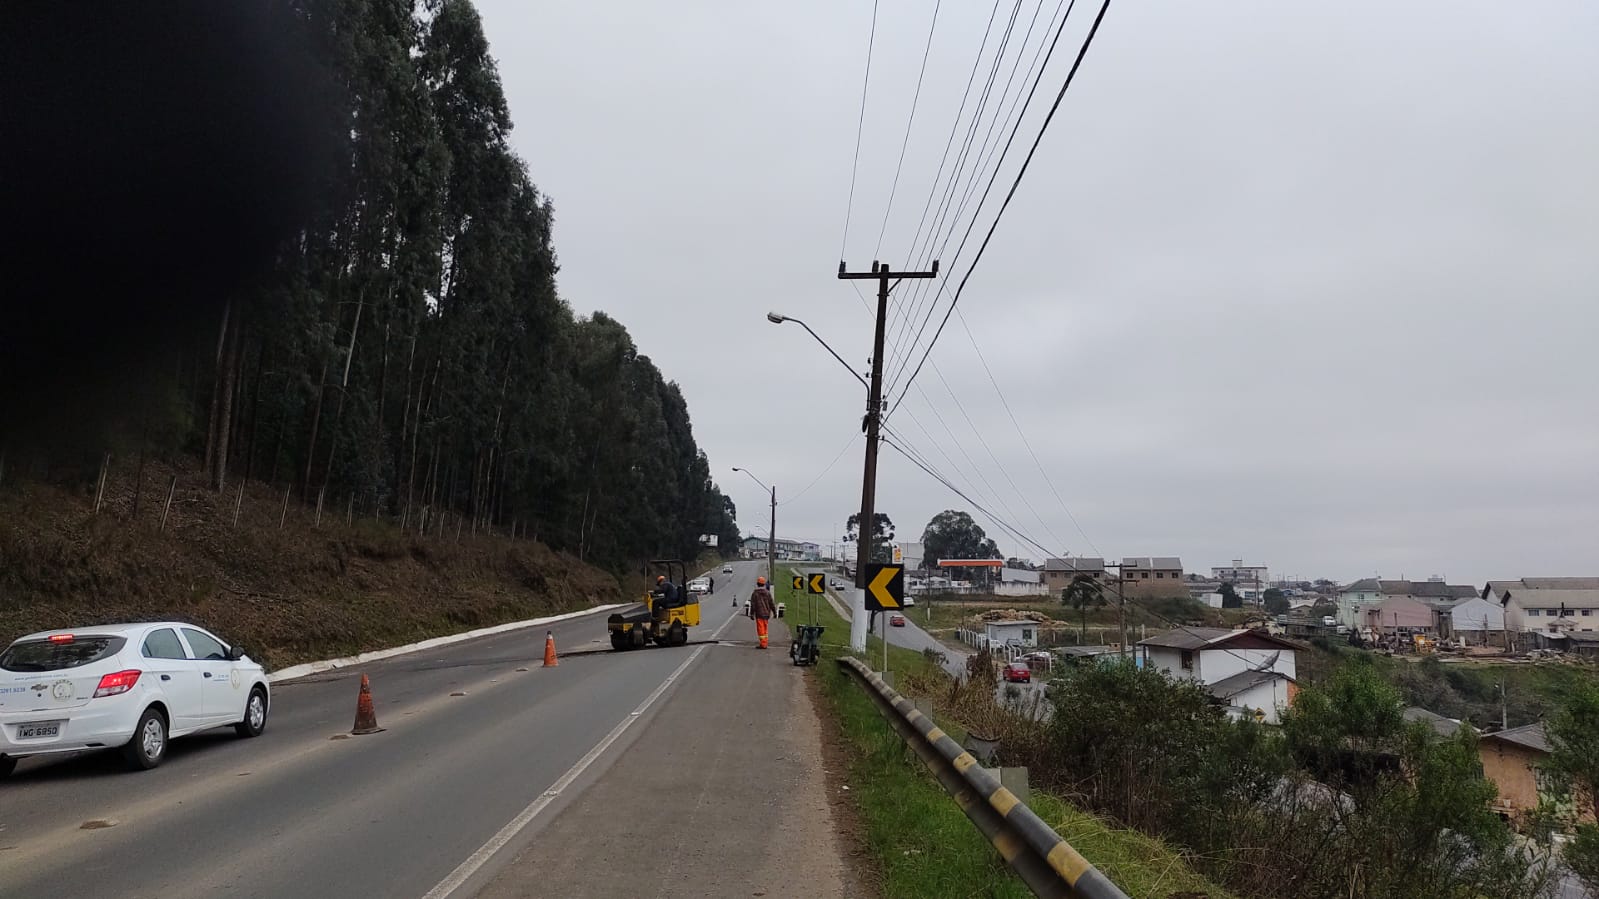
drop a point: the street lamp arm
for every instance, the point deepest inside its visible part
(778, 319)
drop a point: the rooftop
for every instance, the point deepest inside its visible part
(1075, 563)
(1152, 562)
(1530, 736)
(1443, 727)
(1228, 687)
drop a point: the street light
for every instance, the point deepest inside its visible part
(778, 318)
(771, 536)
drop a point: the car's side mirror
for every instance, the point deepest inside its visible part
(235, 653)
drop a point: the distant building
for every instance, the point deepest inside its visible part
(1060, 572)
(1249, 580)
(911, 555)
(1355, 599)
(792, 550)
(1153, 576)
(1550, 608)
(1020, 582)
(1022, 634)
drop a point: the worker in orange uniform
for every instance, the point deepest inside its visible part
(762, 608)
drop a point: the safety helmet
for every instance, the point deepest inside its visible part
(760, 582)
(660, 579)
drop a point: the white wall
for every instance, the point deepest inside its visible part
(1268, 697)
(1025, 634)
(1164, 658)
(1469, 615)
(1214, 665)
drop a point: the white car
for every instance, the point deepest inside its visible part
(128, 686)
(699, 586)
(727, 569)
(910, 601)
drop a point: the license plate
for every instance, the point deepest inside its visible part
(39, 730)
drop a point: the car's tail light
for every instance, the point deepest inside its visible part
(120, 682)
(61, 638)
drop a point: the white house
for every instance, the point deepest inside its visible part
(1020, 582)
(1011, 633)
(1252, 672)
(1547, 604)
(1476, 621)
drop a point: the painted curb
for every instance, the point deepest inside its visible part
(377, 655)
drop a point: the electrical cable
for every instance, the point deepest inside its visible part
(1010, 195)
(860, 127)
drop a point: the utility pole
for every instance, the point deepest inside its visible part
(874, 405)
(771, 547)
(1121, 605)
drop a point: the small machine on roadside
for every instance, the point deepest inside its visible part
(663, 618)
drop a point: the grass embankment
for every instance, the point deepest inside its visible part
(921, 842)
(286, 594)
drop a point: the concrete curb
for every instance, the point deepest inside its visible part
(310, 668)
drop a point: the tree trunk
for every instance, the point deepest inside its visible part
(216, 389)
(224, 425)
(316, 423)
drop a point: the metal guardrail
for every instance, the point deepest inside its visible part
(1045, 862)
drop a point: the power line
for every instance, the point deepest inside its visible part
(1121, 594)
(1023, 434)
(860, 127)
(911, 120)
(984, 153)
(966, 143)
(818, 478)
(954, 126)
(1009, 195)
(1038, 77)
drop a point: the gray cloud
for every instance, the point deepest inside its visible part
(1311, 284)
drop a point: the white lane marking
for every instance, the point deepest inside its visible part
(506, 834)
(310, 668)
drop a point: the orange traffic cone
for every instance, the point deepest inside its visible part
(549, 650)
(366, 717)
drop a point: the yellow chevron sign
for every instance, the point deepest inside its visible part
(885, 588)
(818, 582)
(799, 582)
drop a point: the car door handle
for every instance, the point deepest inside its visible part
(166, 677)
(206, 674)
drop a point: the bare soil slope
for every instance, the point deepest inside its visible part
(289, 593)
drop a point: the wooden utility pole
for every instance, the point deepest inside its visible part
(883, 274)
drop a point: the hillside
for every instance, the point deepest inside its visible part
(289, 594)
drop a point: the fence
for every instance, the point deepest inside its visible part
(1047, 864)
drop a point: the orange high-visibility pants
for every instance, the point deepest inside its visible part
(760, 630)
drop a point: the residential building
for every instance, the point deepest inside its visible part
(1020, 582)
(1249, 580)
(1400, 614)
(1355, 598)
(1060, 572)
(1442, 728)
(1552, 606)
(1153, 576)
(1011, 633)
(794, 550)
(1250, 671)
(1475, 621)
(1514, 760)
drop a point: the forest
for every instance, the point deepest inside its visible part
(403, 349)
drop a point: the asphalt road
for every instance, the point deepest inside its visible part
(473, 745)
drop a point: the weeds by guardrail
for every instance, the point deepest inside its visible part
(1045, 862)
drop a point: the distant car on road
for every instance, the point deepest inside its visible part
(836, 584)
(699, 586)
(133, 686)
(727, 569)
(1018, 673)
(910, 601)
(896, 621)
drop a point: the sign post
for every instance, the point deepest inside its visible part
(885, 592)
(816, 586)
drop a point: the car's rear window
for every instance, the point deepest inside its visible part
(43, 655)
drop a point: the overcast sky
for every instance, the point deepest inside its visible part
(1311, 284)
